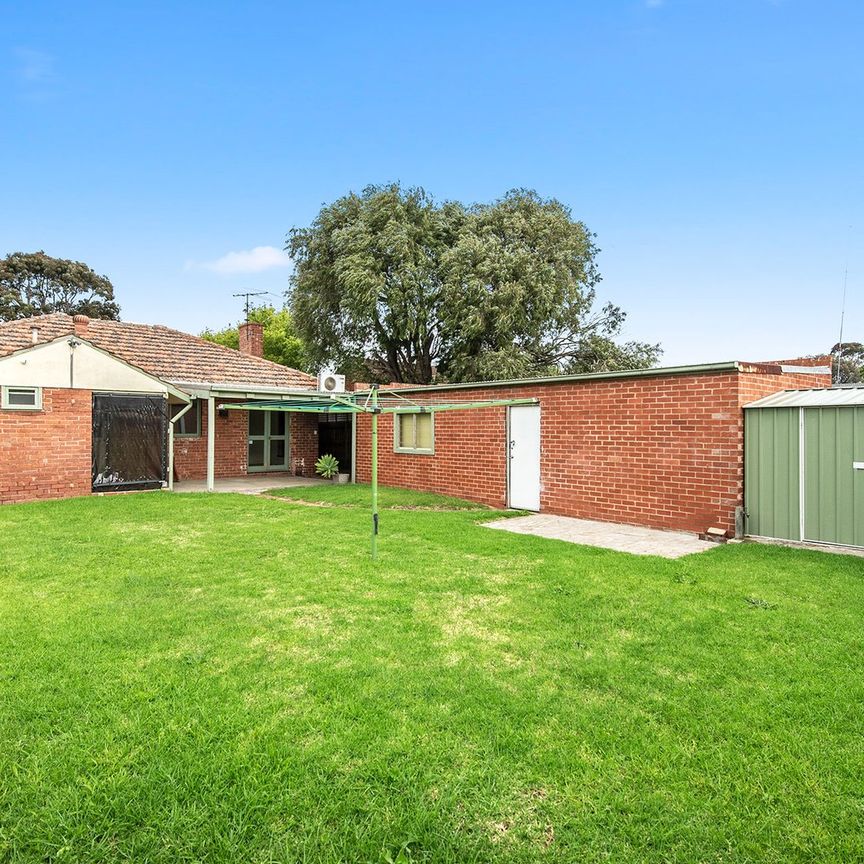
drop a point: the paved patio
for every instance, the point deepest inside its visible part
(606, 535)
(250, 485)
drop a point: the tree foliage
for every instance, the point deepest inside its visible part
(389, 284)
(847, 362)
(33, 283)
(367, 288)
(281, 342)
(521, 295)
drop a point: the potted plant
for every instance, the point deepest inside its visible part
(327, 466)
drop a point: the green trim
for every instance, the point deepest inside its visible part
(701, 369)
(7, 406)
(397, 439)
(342, 406)
(266, 438)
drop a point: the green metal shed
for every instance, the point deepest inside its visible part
(804, 466)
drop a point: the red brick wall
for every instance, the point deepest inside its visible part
(663, 451)
(190, 454)
(304, 444)
(251, 338)
(754, 386)
(232, 451)
(47, 453)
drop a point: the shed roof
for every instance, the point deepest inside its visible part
(816, 398)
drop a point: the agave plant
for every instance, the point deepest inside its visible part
(327, 466)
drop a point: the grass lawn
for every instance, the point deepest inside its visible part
(228, 678)
(389, 498)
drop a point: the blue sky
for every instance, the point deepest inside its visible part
(715, 147)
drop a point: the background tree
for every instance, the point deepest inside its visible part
(33, 283)
(281, 342)
(388, 284)
(366, 289)
(847, 361)
(520, 297)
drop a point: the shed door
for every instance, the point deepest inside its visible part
(772, 464)
(834, 475)
(524, 468)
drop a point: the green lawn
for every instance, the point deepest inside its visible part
(360, 495)
(230, 679)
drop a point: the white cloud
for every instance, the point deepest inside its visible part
(255, 260)
(34, 74)
(34, 67)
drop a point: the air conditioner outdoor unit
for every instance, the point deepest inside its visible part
(330, 383)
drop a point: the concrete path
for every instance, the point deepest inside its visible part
(250, 485)
(606, 535)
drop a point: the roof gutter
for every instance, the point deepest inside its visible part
(204, 389)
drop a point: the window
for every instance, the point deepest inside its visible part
(22, 398)
(189, 425)
(414, 433)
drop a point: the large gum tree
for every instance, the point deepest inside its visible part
(390, 286)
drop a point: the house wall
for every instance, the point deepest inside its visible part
(52, 364)
(47, 453)
(664, 451)
(190, 454)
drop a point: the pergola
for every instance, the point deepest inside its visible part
(373, 403)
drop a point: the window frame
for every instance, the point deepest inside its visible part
(7, 406)
(399, 447)
(196, 407)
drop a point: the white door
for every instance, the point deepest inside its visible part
(524, 470)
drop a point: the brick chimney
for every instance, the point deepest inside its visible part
(81, 323)
(252, 338)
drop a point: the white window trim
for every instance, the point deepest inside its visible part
(397, 444)
(4, 398)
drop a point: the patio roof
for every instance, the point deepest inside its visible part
(328, 403)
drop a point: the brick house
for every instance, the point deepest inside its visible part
(656, 447)
(90, 405)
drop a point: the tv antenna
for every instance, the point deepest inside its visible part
(843, 306)
(248, 295)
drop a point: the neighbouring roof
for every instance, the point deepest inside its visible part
(829, 397)
(163, 352)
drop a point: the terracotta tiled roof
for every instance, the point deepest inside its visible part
(168, 354)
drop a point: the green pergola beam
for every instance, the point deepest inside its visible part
(343, 406)
(455, 406)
